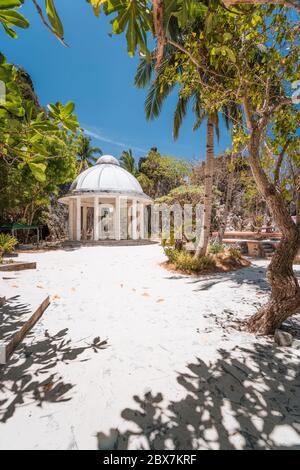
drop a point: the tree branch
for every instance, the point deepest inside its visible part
(269, 111)
(280, 160)
(185, 51)
(248, 115)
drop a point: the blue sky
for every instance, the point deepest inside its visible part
(97, 74)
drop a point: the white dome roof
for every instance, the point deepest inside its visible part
(106, 176)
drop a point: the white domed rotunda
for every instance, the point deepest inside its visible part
(106, 202)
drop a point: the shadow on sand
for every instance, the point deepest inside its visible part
(252, 276)
(247, 399)
(27, 375)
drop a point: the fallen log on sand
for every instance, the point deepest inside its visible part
(6, 349)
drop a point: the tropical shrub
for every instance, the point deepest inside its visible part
(216, 248)
(235, 252)
(170, 254)
(187, 262)
(7, 243)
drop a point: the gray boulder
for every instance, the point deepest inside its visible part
(296, 344)
(283, 338)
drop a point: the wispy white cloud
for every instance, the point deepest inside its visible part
(103, 138)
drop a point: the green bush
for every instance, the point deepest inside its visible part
(216, 248)
(168, 239)
(185, 261)
(164, 242)
(7, 243)
(171, 254)
(235, 252)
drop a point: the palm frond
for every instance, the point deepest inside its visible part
(127, 161)
(144, 72)
(179, 114)
(200, 116)
(156, 96)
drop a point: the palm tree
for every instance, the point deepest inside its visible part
(87, 155)
(128, 162)
(212, 126)
(153, 104)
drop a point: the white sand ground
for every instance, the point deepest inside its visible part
(173, 374)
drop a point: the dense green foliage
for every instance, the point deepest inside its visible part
(233, 64)
(37, 149)
(30, 135)
(7, 243)
(12, 18)
(159, 174)
(184, 194)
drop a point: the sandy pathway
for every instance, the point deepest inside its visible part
(169, 376)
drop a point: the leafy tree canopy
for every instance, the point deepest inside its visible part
(160, 174)
(184, 194)
(37, 149)
(29, 132)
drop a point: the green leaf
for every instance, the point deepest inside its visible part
(119, 23)
(54, 18)
(10, 32)
(38, 171)
(13, 18)
(6, 4)
(43, 126)
(71, 123)
(230, 54)
(69, 108)
(209, 22)
(227, 36)
(96, 4)
(131, 36)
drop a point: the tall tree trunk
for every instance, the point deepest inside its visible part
(158, 21)
(224, 218)
(208, 185)
(285, 291)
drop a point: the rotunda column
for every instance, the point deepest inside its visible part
(117, 218)
(142, 227)
(71, 219)
(78, 218)
(96, 218)
(134, 220)
(84, 222)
